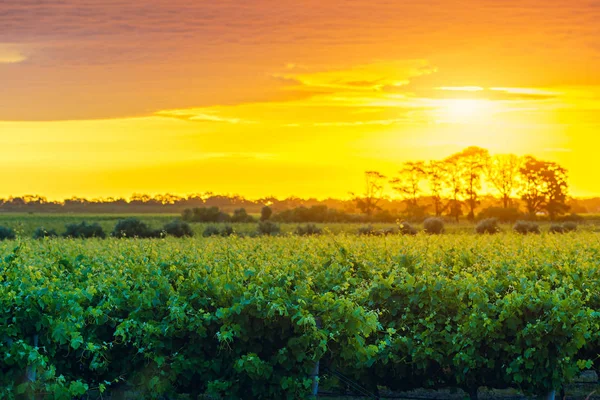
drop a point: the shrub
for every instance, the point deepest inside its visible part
(500, 213)
(42, 232)
(489, 225)
(407, 229)
(265, 213)
(211, 230)
(240, 215)
(556, 228)
(366, 230)
(227, 231)
(7, 233)
(308, 230)
(84, 230)
(268, 228)
(133, 228)
(563, 228)
(526, 227)
(434, 226)
(178, 228)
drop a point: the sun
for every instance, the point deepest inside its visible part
(462, 110)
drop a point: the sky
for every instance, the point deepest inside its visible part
(280, 97)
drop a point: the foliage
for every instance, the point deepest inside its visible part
(83, 230)
(41, 233)
(489, 226)
(405, 228)
(366, 230)
(374, 187)
(133, 228)
(562, 228)
(7, 233)
(526, 227)
(268, 228)
(213, 230)
(240, 215)
(178, 228)
(87, 316)
(265, 213)
(545, 187)
(434, 225)
(308, 230)
(205, 214)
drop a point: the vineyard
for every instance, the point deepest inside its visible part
(251, 317)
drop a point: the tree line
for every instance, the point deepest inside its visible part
(456, 185)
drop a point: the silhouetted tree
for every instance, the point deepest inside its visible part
(265, 213)
(436, 177)
(502, 172)
(472, 162)
(408, 184)
(544, 187)
(454, 180)
(374, 184)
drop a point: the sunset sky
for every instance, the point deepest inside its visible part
(281, 97)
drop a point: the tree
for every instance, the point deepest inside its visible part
(502, 172)
(408, 184)
(544, 187)
(454, 180)
(435, 173)
(374, 185)
(557, 187)
(265, 213)
(472, 162)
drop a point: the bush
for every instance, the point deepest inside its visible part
(84, 230)
(268, 228)
(178, 228)
(227, 231)
(240, 215)
(434, 225)
(308, 230)
(366, 230)
(489, 226)
(211, 230)
(265, 213)
(7, 233)
(556, 228)
(133, 228)
(563, 228)
(501, 214)
(42, 232)
(407, 229)
(526, 227)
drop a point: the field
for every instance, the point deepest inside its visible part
(25, 224)
(250, 317)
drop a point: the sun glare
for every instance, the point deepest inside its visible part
(461, 110)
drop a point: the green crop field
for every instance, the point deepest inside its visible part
(250, 317)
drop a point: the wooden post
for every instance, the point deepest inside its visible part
(31, 371)
(315, 372)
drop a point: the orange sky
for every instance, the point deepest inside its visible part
(281, 97)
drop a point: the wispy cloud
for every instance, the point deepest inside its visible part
(10, 54)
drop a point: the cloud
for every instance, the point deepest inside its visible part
(10, 54)
(200, 115)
